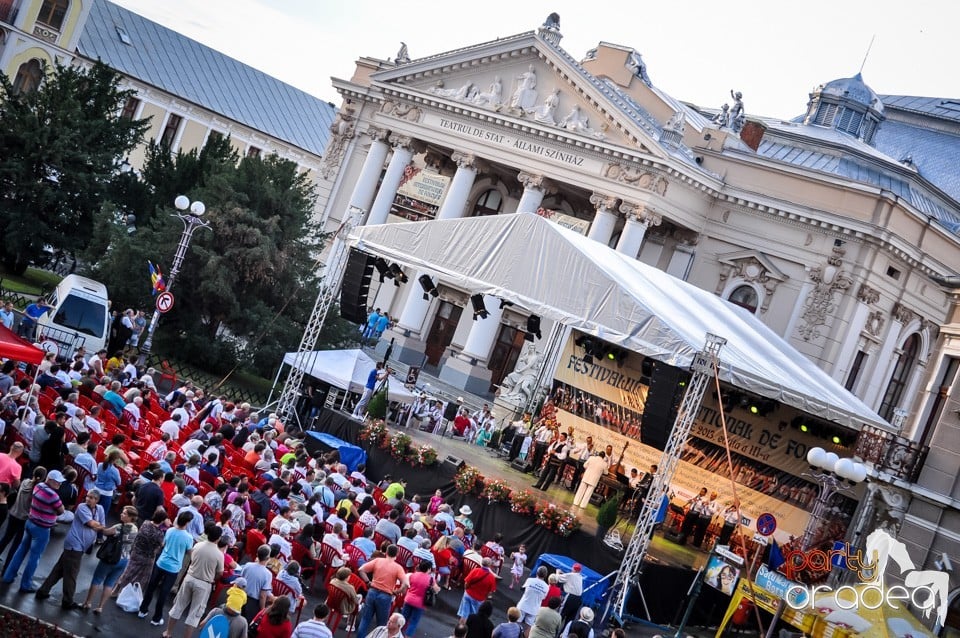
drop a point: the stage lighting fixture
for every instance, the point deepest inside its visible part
(399, 276)
(428, 287)
(533, 328)
(804, 427)
(383, 268)
(836, 439)
(479, 309)
(504, 303)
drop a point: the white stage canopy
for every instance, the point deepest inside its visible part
(559, 274)
(347, 369)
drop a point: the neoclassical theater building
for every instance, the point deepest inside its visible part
(838, 229)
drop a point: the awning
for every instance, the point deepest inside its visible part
(13, 347)
(347, 369)
(555, 273)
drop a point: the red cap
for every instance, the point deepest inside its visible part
(577, 567)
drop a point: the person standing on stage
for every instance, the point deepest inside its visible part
(692, 515)
(594, 468)
(731, 516)
(704, 517)
(542, 438)
(557, 453)
(376, 375)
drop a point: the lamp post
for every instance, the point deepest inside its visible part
(191, 214)
(833, 476)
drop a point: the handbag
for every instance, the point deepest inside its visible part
(430, 597)
(112, 549)
(130, 598)
(253, 630)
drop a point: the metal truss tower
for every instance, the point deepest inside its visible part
(703, 367)
(337, 262)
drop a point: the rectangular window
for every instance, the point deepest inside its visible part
(130, 108)
(854, 375)
(170, 130)
(253, 151)
(825, 114)
(52, 13)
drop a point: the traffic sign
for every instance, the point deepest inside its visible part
(766, 524)
(48, 345)
(216, 627)
(412, 375)
(164, 302)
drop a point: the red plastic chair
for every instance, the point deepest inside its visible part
(328, 555)
(497, 559)
(357, 557)
(282, 589)
(335, 599)
(358, 529)
(379, 539)
(301, 553)
(405, 558)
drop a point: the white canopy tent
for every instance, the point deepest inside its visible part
(346, 369)
(564, 276)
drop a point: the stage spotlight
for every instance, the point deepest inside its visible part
(504, 303)
(383, 268)
(836, 440)
(804, 427)
(428, 287)
(479, 309)
(533, 328)
(399, 276)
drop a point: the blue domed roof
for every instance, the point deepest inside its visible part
(854, 89)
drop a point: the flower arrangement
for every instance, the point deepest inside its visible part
(496, 491)
(400, 446)
(522, 502)
(18, 624)
(467, 479)
(423, 455)
(558, 521)
(375, 433)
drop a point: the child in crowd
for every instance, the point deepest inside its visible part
(519, 559)
(435, 502)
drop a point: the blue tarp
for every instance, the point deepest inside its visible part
(565, 564)
(350, 455)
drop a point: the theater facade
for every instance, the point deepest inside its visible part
(837, 229)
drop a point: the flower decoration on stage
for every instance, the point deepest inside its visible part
(558, 521)
(400, 446)
(375, 433)
(16, 624)
(496, 491)
(467, 480)
(523, 502)
(424, 455)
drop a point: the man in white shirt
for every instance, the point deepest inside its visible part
(335, 539)
(96, 362)
(92, 422)
(172, 425)
(133, 408)
(158, 449)
(557, 453)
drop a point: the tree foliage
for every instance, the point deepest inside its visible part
(248, 282)
(61, 149)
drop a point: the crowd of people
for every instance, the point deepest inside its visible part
(192, 493)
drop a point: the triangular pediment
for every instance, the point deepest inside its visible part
(525, 80)
(753, 264)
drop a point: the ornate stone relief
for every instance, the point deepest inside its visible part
(672, 133)
(467, 160)
(406, 142)
(401, 110)
(903, 314)
(638, 67)
(343, 129)
(874, 323)
(754, 268)
(577, 122)
(867, 295)
(538, 182)
(601, 201)
(828, 279)
(637, 177)
(686, 237)
(641, 213)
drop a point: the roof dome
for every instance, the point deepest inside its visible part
(855, 90)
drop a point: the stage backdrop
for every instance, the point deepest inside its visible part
(606, 402)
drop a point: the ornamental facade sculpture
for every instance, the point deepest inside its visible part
(519, 386)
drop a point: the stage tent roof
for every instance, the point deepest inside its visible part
(559, 274)
(347, 369)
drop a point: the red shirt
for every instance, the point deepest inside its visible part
(480, 583)
(283, 630)
(461, 423)
(551, 592)
(9, 469)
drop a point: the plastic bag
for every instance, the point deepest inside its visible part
(130, 598)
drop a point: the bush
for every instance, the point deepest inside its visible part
(607, 515)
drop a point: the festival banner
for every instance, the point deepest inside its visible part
(424, 186)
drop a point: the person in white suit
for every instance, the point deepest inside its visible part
(593, 469)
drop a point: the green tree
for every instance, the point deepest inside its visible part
(62, 146)
(248, 283)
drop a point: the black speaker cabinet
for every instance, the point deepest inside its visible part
(356, 286)
(667, 385)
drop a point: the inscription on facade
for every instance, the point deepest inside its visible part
(471, 131)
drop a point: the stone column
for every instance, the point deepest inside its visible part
(535, 187)
(601, 229)
(415, 309)
(467, 369)
(404, 148)
(683, 253)
(366, 185)
(865, 296)
(455, 203)
(639, 218)
(483, 332)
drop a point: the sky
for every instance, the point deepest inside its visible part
(772, 51)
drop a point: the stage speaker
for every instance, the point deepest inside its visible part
(454, 461)
(667, 385)
(519, 464)
(356, 286)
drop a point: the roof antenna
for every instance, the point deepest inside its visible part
(867, 54)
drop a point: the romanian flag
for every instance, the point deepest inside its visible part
(156, 279)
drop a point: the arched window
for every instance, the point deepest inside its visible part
(53, 12)
(489, 203)
(745, 297)
(900, 376)
(28, 77)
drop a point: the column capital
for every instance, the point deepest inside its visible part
(467, 160)
(377, 134)
(867, 295)
(602, 201)
(536, 182)
(641, 213)
(407, 143)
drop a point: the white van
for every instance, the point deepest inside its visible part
(80, 316)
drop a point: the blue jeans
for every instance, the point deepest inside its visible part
(377, 604)
(34, 541)
(412, 614)
(106, 500)
(107, 575)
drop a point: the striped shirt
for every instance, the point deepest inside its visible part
(312, 629)
(45, 506)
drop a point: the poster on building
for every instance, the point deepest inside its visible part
(600, 399)
(570, 222)
(423, 186)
